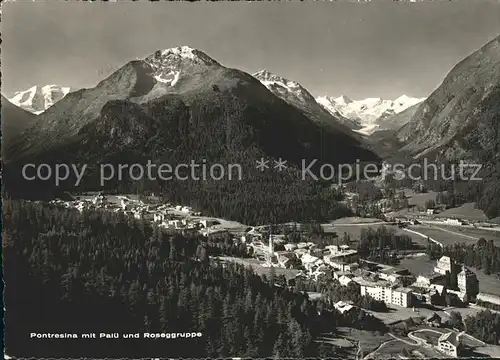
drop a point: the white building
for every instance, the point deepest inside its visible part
(427, 280)
(342, 254)
(186, 209)
(309, 261)
(450, 344)
(453, 222)
(301, 252)
(159, 217)
(344, 280)
(124, 203)
(343, 307)
(290, 247)
(443, 265)
(271, 245)
(382, 291)
(209, 222)
(339, 264)
(465, 279)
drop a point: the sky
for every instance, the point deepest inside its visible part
(356, 49)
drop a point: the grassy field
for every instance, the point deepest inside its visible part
(448, 235)
(354, 220)
(442, 235)
(395, 314)
(471, 232)
(492, 351)
(419, 199)
(394, 349)
(429, 336)
(466, 211)
(368, 340)
(391, 350)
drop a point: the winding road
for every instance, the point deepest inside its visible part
(416, 341)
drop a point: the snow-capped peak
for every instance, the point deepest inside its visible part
(405, 99)
(37, 99)
(186, 52)
(269, 79)
(343, 100)
(369, 110)
(169, 64)
(276, 83)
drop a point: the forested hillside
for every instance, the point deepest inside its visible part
(67, 272)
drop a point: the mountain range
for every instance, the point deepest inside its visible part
(190, 74)
(179, 105)
(180, 101)
(370, 113)
(364, 116)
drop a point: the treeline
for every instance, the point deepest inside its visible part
(453, 193)
(383, 244)
(484, 255)
(333, 291)
(261, 199)
(488, 305)
(484, 325)
(217, 245)
(67, 272)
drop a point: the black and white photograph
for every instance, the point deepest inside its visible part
(251, 179)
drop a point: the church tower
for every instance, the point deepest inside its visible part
(271, 245)
(467, 282)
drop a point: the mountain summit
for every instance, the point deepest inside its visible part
(168, 64)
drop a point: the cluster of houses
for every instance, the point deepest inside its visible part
(449, 343)
(382, 282)
(429, 287)
(389, 284)
(174, 217)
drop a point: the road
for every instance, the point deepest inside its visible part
(424, 236)
(421, 341)
(359, 224)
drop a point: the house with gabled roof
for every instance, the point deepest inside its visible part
(450, 344)
(433, 320)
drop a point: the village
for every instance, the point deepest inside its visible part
(423, 295)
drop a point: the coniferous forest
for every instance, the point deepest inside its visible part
(100, 272)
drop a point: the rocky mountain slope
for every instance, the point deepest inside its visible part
(460, 119)
(296, 95)
(391, 121)
(14, 120)
(37, 99)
